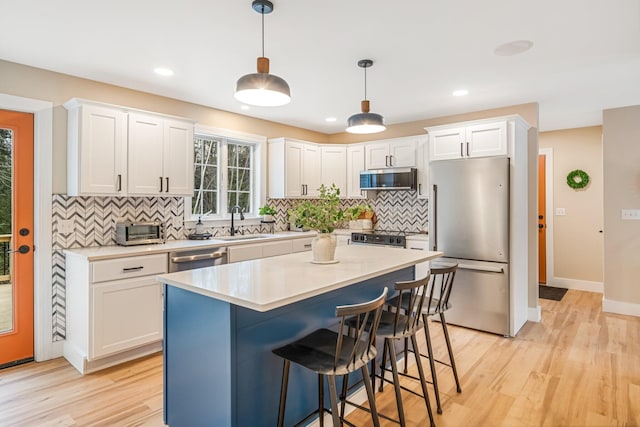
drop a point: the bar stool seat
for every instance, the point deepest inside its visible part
(329, 353)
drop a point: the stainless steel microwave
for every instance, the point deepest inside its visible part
(138, 233)
(389, 179)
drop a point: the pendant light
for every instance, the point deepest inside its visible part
(262, 89)
(365, 122)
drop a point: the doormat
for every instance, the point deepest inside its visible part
(551, 292)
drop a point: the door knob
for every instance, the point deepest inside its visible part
(23, 249)
(540, 225)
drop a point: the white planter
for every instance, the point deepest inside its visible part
(323, 248)
(268, 218)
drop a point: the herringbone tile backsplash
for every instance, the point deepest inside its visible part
(94, 220)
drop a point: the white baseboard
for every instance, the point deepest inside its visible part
(534, 314)
(577, 285)
(619, 307)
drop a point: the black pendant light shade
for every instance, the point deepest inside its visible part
(262, 89)
(365, 122)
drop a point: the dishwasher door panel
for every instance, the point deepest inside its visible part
(480, 295)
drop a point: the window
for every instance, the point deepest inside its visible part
(226, 172)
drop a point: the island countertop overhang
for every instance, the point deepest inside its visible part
(269, 283)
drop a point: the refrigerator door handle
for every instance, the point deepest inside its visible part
(479, 268)
(435, 217)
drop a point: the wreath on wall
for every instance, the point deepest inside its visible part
(577, 179)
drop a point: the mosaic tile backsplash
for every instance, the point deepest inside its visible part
(94, 220)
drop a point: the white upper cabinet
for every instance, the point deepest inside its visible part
(160, 156)
(391, 153)
(117, 151)
(422, 165)
(294, 168)
(96, 150)
(355, 164)
(334, 167)
(476, 139)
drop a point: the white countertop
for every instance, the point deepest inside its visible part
(268, 283)
(108, 252)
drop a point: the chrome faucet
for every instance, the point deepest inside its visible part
(235, 209)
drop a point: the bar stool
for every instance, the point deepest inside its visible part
(440, 286)
(401, 324)
(330, 354)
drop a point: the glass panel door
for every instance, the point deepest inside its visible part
(6, 176)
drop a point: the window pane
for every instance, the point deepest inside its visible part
(244, 179)
(244, 156)
(205, 175)
(210, 201)
(232, 175)
(210, 180)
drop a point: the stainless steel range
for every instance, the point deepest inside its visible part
(390, 238)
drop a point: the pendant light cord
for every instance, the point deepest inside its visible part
(365, 83)
(262, 13)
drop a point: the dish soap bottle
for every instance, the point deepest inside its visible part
(199, 226)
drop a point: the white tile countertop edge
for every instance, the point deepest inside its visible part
(269, 283)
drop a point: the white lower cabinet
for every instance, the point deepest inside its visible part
(246, 252)
(301, 245)
(114, 310)
(423, 268)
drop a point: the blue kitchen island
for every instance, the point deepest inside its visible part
(221, 323)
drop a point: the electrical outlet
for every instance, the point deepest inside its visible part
(631, 214)
(65, 226)
(560, 211)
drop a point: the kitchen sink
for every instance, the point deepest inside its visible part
(245, 237)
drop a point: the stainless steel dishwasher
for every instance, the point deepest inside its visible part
(197, 258)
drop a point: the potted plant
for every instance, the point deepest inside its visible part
(360, 217)
(323, 215)
(267, 213)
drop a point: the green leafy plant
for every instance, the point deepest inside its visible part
(267, 210)
(322, 214)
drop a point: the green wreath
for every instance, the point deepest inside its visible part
(577, 179)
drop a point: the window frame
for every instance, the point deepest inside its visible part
(259, 178)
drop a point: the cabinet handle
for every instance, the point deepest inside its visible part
(467, 149)
(461, 149)
(167, 190)
(119, 181)
(132, 269)
(308, 245)
(386, 161)
(161, 184)
(390, 161)
(419, 189)
(417, 249)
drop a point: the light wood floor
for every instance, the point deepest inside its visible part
(578, 367)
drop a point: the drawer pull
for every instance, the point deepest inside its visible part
(308, 245)
(417, 249)
(132, 269)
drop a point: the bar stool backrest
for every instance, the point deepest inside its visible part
(440, 288)
(409, 303)
(367, 317)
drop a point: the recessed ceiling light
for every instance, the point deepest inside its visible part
(460, 92)
(330, 119)
(244, 107)
(513, 48)
(161, 71)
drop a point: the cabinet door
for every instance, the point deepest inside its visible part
(402, 153)
(487, 139)
(311, 169)
(377, 155)
(334, 167)
(421, 269)
(144, 169)
(125, 314)
(244, 252)
(178, 158)
(422, 164)
(447, 144)
(293, 169)
(301, 245)
(276, 248)
(97, 151)
(355, 164)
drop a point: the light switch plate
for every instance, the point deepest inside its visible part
(631, 214)
(560, 211)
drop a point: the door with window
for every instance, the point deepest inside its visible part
(16, 237)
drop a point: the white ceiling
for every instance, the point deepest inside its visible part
(585, 57)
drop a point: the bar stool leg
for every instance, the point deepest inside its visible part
(423, 382)
(333, 396)
(321, 399)
(432, 363)
(453, 363)
(382, 366)
(396, 380)
(370, 396)
(283, 392)
(406, 345)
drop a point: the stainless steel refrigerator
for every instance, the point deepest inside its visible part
(469, 222)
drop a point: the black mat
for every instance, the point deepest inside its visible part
(551, 292)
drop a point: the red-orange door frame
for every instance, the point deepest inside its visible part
(17, 344)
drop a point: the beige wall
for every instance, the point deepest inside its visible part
(621, 158)
(577, 241)
(29, 82)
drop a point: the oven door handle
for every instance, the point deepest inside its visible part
(200, 257)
